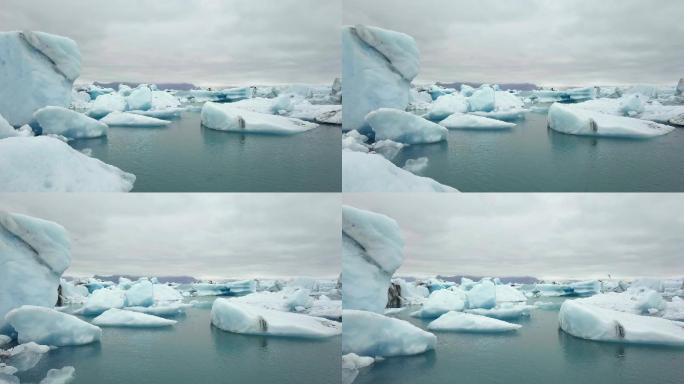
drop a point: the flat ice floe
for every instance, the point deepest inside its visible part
(122, 318)
(576, 121)
(440, 302)
(127, 119)
(369, 172)
(45, 164)
(253, 320)
(68, 123)
(591, 322)
(160, 310)
(48, 326)
(404, 127)
(467, 322)
(59, 376)
(505, 311)
(371, 334)
(224, 117)
(469, 121)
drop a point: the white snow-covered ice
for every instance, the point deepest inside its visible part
(68, 123)
(127, 119)
(469, 121)
(123, 318)
(404, 127)
(224, 117)
(50, 327)
(468, 322)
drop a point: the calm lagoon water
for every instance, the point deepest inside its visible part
(532, 158)
(192, 351)
(185, 157)
(538, 353)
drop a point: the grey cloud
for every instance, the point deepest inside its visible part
(545, 235)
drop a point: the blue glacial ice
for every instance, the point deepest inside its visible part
(482, 295)
(50, 327)
(447, 105)
(404, 127)
(123, 318)
(139, 99)
(471, 121)
(468, 322)
(482, 100)
(68, 123)
(127, 119)
(572, 95)
(59, 376)
(224, 117)
(140, 294)
(504, 311)
(37, 70)
(106, 104)
(442, 301)
(377, 68)
(102, 300)
(34, 255)
(22, 357)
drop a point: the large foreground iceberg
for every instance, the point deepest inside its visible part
(468, 322)
(576, 121)
(404, 127)
(122, 318)
(253, 320)
(68, 123)
(377, 68)
(37, 69)
(33, 255)
(51, 327)
(372, 249)
(591, 322)
(371, 334)
(46, 164)
(369, 172)
(223, 117)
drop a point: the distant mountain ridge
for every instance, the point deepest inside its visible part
(503, 86)
(504, 279)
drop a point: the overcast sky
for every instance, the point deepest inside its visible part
(575, 42)
(226, 42)
(541, 235)
(201, 235)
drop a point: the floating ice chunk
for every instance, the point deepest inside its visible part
(72, 293)
(223, 117)
(483, 99)
(249, 319)
(166, 294)
(650, 300)
(140, 294)
(416, 165)
(34, 255)
(505, 100)
(468, 322)
(59, 376)
(371, 334)
(363, 172)
(106, 104)
(646, 90)
(50, 327)
(126, 119)
(387, 148)
(6, 130)
(25, 356)
(122, 318)
(377, 68)
(469, 121)
(7, 370)
(354, 141)
(566, 96)
(504, 115)
(102, 300)
(674, 310)
(552, 290)
(372, 249)
(632, 105)
(506, 293)
(447, 105)
(506, 311)
(588, 287)
(68, 123)
(587, 321)
(482, 295)
(168, 113)
(299, 299)
(164, 310)
(412, 293)
(38, 70)
(140, 98)
(467, 90)
(548, 305)
(404, 127)
(577, 121)
(440, 302)
(6, 378)
(351, 363)
(162, 100)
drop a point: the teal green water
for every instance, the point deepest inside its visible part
(185, 157)
(192, 351)
(538, 353)
(532, 158)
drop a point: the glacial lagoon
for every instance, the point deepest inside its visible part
(537, 353)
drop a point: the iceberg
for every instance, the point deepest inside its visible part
(587, 321)
(632, 105)
(45, 164)
(576, 121)
(440, 302)
(368, 172)
(378, 66)
(106, 104)
(416, 166)
(506, 293)
(165, 310)
(48, 326)
(102, 300)
(163, 114)
(469, 121)
(372, 249)
(59, 376)
(122, 318)
(371, 334)
(505, 311)
(482, 100)
(127, 119)
(404, 127)
(447, 105)
(674, 310)
(140, 294)
(162, 100)
(547, 305)
(72, 293)
(504, 115)
(351, 363)
(572, 95)
(482, 295)
(140, 98)
(34, 255)
(24, 356)
(253, 320)
(68, 123)
(6, 130)
(468, 322)
(223, 117)
(37, 69)
(166, 294)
